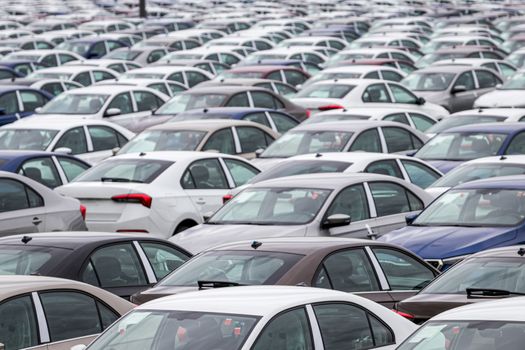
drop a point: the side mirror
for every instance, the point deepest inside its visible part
(457, 89)
(78, 347)
(420, 101)
(38, 109)
(64, 150)
(258, 152)
(115, 150)
(409, 219)
(336, 220)
(111, 112)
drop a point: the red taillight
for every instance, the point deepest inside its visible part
(83, 211)
(404, 314)
(141, 198)
(330, 107)
(308, 113)
(226, 198)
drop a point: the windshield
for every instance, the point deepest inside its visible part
(26, 139)
(164, 140)
(434, 57)
(26, 260)
(301, 142)
(176, 330)
(461, 120)
(428, 81)
(80, 48)
(301, 167)
(325, 91)
(184, 102)
(475, 208)
(128, 55)
(272, 206)
(75, 104)
(517, 82)
(243, 267)
(516, 59)
(125, 170)
(461, 146)
(471, 172)
(467, 335)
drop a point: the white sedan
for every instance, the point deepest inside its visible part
(257, 318)
(158, 192)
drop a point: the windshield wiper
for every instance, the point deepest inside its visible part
(489, 292)
(118, 179)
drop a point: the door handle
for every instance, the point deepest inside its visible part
(36, 221)
(200, 201)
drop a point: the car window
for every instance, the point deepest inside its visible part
(391, 198)
(155, 56)
(399, 140)
(205, 174)
(117, 67)
(146, 101)
(402, 271)
(294, 77)
(23, 68)
(54, 89)
(72, 167)
(367, 141)
(385, 167)
(70, 86)
(83, 79)
(348, 271)
(402, 95)
(275, 76)
(466, 79)
(6, 74)
(175, 89)
(98, 50)
(103, 138)
(32, 100)
(19, 328)
(251, 139)
(263, 100)
(348, 327)
(41, 170)
(419, 174)
(391, 76)
(506, 70)
(289, 330)
(372, 75)
(178, 77)
(163, 258)
(282, 122)
(64, 58)
(70, 315)
(50, 60)
(421, 122)
(221, 141)
(397, 117)
(517, 144)
(490, 65)
(74, 139)
(282, 89)
(241, 172)
(9, 103)
(376, 93)
(350, 201)
(487, 79)
(123, 102)
(205, 66)
(100, 75)
(117, 265)
(195, 78)
(257, 117)
(162, 88)
(239, 100)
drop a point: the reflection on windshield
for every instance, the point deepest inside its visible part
(164, 140)
(428, 81)
(26, 139)
(473, 172)
(75, 104)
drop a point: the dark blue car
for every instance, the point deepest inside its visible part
(277, 121)
(17, 101)
(22, 67)
(49, 168)
(91, 47)
(454, 146)
(467, 219)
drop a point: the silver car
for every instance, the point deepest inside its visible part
(337, 205)
(27, 206)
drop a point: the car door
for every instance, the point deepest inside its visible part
(126, 111)
(463, 100)
(221, 141)
(251, 139)
(42, 170)
(103, 140)
(9, 108)
(399, 140)
(351, 271)
(205, 183)
(73, 141)
(22, 209)
(162, 258)
(385, 167)
(367, 141)
(238, 100)
(282, 122)
(376, 94)
(419, 174)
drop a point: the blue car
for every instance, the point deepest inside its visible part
(455, 146)
(467, 219)
(22, 67)
(49, 168)
(9, 73)
(17, 101)
(277, 121)
(92, 47)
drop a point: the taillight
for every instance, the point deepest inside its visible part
(330, 107)
(226, 198)
(308, 113)
(404, 314)
(140, 198)
(83, 211)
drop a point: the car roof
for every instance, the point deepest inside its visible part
(260, 68)
(227, 110)
(504, 112)
(350, 157)
(323, 180)
(114, 89)
(204, 125)
(26, 284)
(488, 127)
(497, 310)
(503, 252)
(452, 68)
(224, 90)
(507, 159)
(503, 182)
(7, 88)
(353, 126)
(172, 156)
(13, 154)
(54, 123)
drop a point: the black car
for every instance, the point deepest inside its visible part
(123, 264)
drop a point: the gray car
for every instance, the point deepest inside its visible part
(27, 206)
(336, 205)
(453, 87)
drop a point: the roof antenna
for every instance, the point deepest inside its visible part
(317, 155)
(27, 239)
(256, 245)
(502, 158)
(521, 252)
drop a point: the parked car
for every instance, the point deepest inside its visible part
(280, 88)
(188, 76)
(91, 47)
(507, 95)
(290, 75)
(143, 55)
(18, 101)
(83, 75)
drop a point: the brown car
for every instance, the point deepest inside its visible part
(286, 74)
(488, 275)
(380, 272)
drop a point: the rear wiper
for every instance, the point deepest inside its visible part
(118, 179)
(488, 293)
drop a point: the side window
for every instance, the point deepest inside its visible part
(117, 266)
(282, 89)
(6, 74)
(517, 144)
(397, 117)
(221, 141)
(64, 58)
(32, 100)
(161, 87)
(487, 79)
(9, 102)
(241, 172)
(146, 101)
(294, 77)
(178, 77)
(402, 95)
(123, 102)
(117, 67)
(263, 100)
(376, 93)
(402, 271)
(506, 70)
(385, 167)
(257, 117)
(195, 78)
(251, 139)
(70, 315)
(72, 167)
(467, 80)
(205, 174)
(421, 122)
(239, 100)
(103, 138)
(391, 198)
(74, 139)
(490, 65)
(419, 174)
(391, 76)
(155, 55)
(100, 75)
(282, 122)
(18, 329)
(349, 271)
(275, 76)
(83, 79)
(205, 66)
(352, 202)
(289, 330)
(367, 141)
(41, 170)
(54, 89)
(98, 50)
(163, 258)
(50, 60)
(23, 68)
(398, 139)
(372, 75)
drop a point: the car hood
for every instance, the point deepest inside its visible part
(444, 165)
(448, 241)
(204, 236)
(501, 98)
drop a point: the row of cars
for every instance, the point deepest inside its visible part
(318, 159)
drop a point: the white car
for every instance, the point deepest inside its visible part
(257, 318)
(497, 324)
(302, 53)
(89, 140)
(188, 76)
(49, 57)
(161, 193)
(505, 69)
(349, 93)
(167, 87)
(357, 72)
(458, 40)
(80, 74)
(509, 95)
(215, 53)
(370, 53)
(326, 41)
(119, 66)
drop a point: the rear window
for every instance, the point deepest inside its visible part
(27, 260)
(301, 167)
(125, 170)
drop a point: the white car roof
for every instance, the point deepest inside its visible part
(376, 112)
(104, 89)
(351, 157)
(311, 39)
(99, 62)
(71, 69)
(57, 123)
(476, 62)
(504, 112)
(173, 155)
(167, 69)
(355, 82)
(458, 38)
(365, 68)
(512, 159)
(373, 50)
(497, 310)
